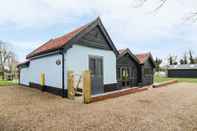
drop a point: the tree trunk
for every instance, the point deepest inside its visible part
(3, 73)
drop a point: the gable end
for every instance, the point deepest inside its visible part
(94, 35)
(95, 38)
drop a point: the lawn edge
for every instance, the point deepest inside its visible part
(165, 83)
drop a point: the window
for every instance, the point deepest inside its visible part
(100, 66)
(96, 66)
(147, 71)
(93, 66)
(125, 73)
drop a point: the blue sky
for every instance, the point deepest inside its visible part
(27, 24)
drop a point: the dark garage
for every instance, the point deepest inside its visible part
(182, 71)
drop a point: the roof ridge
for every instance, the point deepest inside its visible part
(122, 50)
(142, 57)
(60, 41)
(143, 53)
(31, 53)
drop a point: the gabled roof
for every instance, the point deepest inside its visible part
(54, 44)
(123, 52)
(143, 57)
(180, 67)
(60, 42)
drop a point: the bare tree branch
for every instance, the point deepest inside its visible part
(191, 17)
(140, 4)
(163, 2)
(160, 5)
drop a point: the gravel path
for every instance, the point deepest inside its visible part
(171, 108)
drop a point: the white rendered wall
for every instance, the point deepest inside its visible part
(77, 60)
(46, 65)
(24, 76)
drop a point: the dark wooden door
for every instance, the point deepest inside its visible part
(96, 69)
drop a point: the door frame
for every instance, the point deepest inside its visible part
(102, 73)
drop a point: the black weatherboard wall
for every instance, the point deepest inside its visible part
(128, 69)
(126, 63)
(147, 73)
(95, 38)
(183, 73)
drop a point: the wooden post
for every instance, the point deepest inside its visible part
(87, 87)
(42, 80)
(70, 85)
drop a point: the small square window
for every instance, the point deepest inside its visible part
(147, 71)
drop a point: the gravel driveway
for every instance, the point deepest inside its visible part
(171, 108)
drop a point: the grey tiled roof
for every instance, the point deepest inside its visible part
(186, 66)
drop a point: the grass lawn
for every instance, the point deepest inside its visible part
(159, 79)
(7, 83)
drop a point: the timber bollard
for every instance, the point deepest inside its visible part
(42, 81)
(87, 87)
(70, 84)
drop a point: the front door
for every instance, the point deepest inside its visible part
(96, 69)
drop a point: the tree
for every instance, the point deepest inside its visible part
(7, 58)
(188, 58)
(195, 60)
(158, 63)
(175, 63)
(181, 61)
(172, 60)
(185, 58)
(191, 17)
(191, 57)
(12, 65)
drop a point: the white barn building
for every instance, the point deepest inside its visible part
(86, 48)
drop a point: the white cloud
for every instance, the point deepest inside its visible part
(128, 26)
(24, 48)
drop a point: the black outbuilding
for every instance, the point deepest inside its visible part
(147, 68)
(182, 71)
(128, 69)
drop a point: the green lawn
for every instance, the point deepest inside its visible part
(159, 79)
(7, 83)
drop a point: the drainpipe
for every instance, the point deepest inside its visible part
(63, 74)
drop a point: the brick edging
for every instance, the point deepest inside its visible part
(116, 94)
(165, 83)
